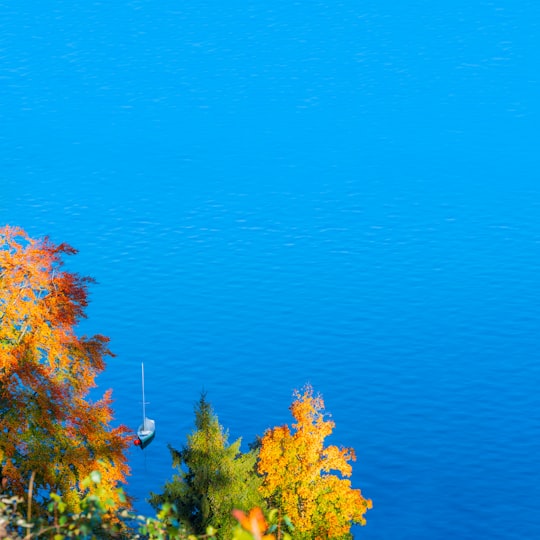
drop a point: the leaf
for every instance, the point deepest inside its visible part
(95, 476)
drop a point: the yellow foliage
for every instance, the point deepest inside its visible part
(306, 479)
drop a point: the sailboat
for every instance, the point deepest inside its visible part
(147, 430)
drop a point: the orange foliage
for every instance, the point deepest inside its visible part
(297, 473)
(254, 522)
(47, 425)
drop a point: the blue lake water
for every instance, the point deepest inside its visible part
(272, 195)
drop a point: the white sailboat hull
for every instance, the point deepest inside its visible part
(146, 431)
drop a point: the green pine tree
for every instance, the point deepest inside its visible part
(213, 477)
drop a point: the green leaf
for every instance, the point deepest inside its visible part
(241, 534)
(95, 476)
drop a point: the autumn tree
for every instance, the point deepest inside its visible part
(50, 431)
(307, 480)
(213, 478)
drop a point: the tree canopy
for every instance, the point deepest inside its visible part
(213, 478)
(307, 480)
(49, 429)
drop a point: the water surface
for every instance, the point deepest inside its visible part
(267, 196)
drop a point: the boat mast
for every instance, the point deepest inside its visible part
(143, 402)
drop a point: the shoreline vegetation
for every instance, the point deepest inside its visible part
(62, 464)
